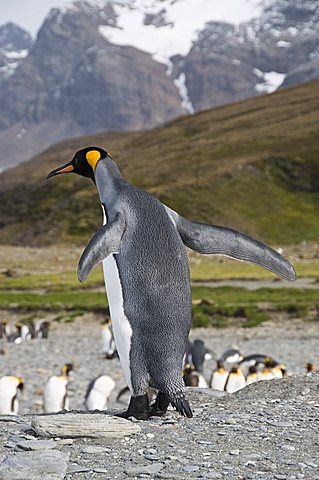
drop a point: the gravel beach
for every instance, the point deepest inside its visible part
(267, 431)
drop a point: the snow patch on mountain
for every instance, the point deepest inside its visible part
(180, 83)
(271, 81)
(181, 22)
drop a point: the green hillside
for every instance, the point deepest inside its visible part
(252, 165)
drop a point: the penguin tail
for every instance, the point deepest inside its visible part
(181, 404)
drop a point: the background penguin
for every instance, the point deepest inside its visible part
(310, 367)
(9, 387)
(142, 246)
(17, 336)
(4, 329)
(42, 329)
(55, 394)
(108, 343)
(232, 356)
(219, 377)
(255, 359)
(278, 369)
(197, 354)
(252, 376)
(98, 392)
(235, 380)
(266, 373)
(192, 378)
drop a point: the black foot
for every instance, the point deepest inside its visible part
(139, 408)
(160, 406)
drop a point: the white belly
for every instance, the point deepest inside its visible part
(219, 380)
(121, 326)
(202, 382)
(235, 382)
(54, 395)
(107, 341)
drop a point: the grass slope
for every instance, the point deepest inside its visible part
(252, 165)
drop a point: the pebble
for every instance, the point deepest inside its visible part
(221, 433)
(77, 469)
(36, 444)
(150, 451)
(65, 441)
(312, 464)
(288, 447)
(149, 470)
(234, 452)
(100, 470)
(305, 391)
(279, 476)
(250, 463)
(91, 450)
(190, 468)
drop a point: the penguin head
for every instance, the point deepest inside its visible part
(20, 384)
(67, 368)
(83, 163)
(188, 368)
(283, 369)
(253, 370)
(220, 365)
(310, 367)
(235, 370)
(269, 362)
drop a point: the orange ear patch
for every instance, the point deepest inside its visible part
(93, 156)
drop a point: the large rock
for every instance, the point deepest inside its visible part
(48, 465)
(80, 425)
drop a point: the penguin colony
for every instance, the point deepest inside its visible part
(142, 245)
(24, 331)
(233, 372)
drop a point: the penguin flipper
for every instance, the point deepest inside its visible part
(105, 242)
(216, 240)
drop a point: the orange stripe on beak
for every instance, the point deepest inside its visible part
(68, 168)
(64, 169)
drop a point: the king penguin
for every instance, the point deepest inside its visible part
(108, 343)
(55, 394)
(252, 376)
(193, 378)
(142, 246)
(197, 354)
(9, 387)
(98, 392)
(235, 380)
(4, 329)
(219, 377)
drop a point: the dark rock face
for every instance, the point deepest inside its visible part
(72, 72)
(229, 63)
(13, 38)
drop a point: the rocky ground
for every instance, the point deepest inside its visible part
(267, 431)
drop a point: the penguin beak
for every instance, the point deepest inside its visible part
(64, 169)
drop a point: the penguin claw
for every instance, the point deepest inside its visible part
(183, 407)
(128, 415)
(138, 408)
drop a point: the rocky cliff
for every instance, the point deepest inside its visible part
(132, 65)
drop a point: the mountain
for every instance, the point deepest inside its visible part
(134, 64)
(14, 45)
(252, 165)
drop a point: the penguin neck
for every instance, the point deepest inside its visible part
(108, 182)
